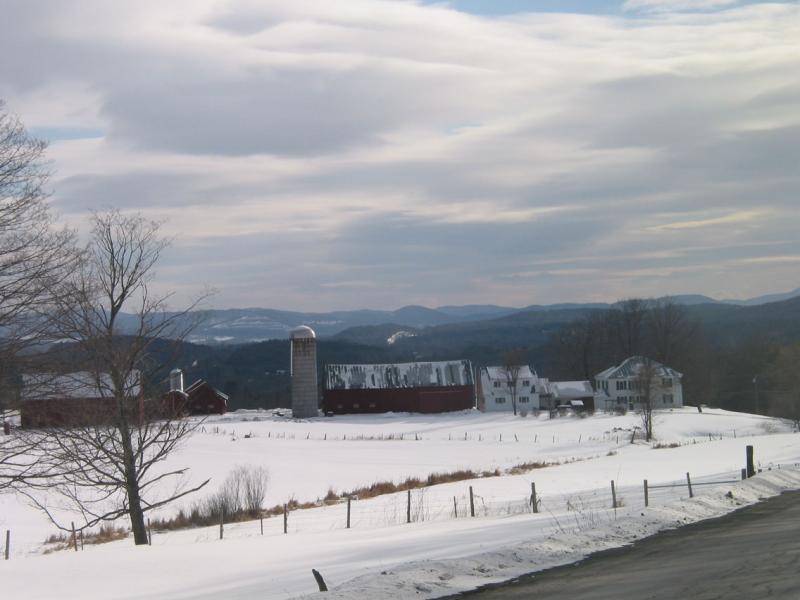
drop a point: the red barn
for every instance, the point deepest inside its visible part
(425, 387)
(202, 399)
(74, 399)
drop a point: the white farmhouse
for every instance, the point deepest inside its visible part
(495, 392)
(621, 386)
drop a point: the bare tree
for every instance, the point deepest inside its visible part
(631, 320)
(784, 377)
(670, 330)
(112, 463)
(35, 261)
(513, 361)
(581, 349)
(648, 386)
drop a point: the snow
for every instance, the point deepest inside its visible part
(381, 556)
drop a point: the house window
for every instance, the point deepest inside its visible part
(356, 405)
(622, 385)
(668, 399)
(526, 383)
(524, 399)
(497, 384)
(666, 382)
(500, 400)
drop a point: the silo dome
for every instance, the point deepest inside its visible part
(302, 332)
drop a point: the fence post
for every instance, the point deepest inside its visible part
(689, 484)
(646, 495)
(408, 508)
(74, 537)
(320, 581)
(613, 496)
(149, 534)
(348, 512)
(455, 507)
(285, 519)
(471, 502)
(221, 521)
(262, 524)
(82, 540)
(534, 501)
(744, 474)
(8, 543)
(751, 466)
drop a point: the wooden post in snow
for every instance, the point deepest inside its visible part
(262, 524)
(408, 508)
(74, 537)
(646, 495)
(221, 521)
(613, 495)
(751, 465)
(149, 534)
(534, 501)
(471, 502)
(320, 581)
(744, 474)
(348, 512)
(8, 543)
(285, 519)
(455, 507)
(689, 484)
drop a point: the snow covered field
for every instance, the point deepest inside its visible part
(306, 458)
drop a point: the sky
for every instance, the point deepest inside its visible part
(318, 155)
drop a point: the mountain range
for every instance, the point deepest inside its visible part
(246, 325)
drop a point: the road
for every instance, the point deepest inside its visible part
(750, 554)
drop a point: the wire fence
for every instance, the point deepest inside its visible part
(573, 510)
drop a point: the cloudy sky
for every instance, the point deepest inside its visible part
(320, 154)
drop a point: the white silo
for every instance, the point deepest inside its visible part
(176, 380)
(305, 400)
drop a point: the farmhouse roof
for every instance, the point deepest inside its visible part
(630, 368)
(399, 375)
(571, 389)
(525, 372)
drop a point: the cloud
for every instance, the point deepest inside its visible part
(675, 5)
(377, 153)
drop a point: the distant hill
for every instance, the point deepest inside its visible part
(765, 299)
(247, 325)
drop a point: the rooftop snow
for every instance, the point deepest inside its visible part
(401, 375)
(78, 385)
(630, 368)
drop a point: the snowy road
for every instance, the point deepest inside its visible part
(751, 553)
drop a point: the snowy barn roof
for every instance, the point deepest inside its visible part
(400, 375)
(78, 385)
(630, 368)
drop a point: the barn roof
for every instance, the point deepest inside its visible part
(203, 383)
(78, 385)
(399, 375)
